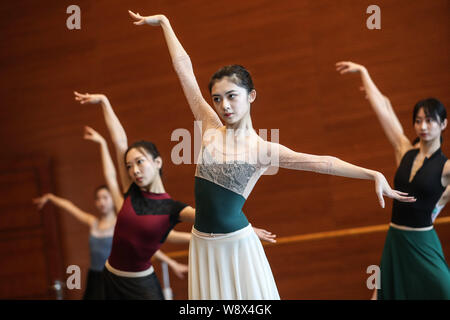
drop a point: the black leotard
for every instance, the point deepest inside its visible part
(426, 187)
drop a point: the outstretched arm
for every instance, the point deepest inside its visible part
(109, 171)
(116, 130)
(68, 206)
(178, 268)
(382, 107)
(289, 159)
(183, 67)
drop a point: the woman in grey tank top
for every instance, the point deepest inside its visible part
(101, 233)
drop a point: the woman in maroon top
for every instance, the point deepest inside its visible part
(139, 232)
(146, 217)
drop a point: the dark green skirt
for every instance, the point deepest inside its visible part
(413, 266)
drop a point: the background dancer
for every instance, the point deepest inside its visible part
(413, 265)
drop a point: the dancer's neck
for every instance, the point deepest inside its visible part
(155, 187)
(108, 217)
(245, 124)
(427, 148)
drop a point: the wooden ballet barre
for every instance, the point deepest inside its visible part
(319, 236)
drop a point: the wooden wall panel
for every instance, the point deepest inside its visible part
(23, 267)
(30, 248)
(289, 46)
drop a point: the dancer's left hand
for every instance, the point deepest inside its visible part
(265, 235)
(179, 269)
(91, 134)
(382, 188)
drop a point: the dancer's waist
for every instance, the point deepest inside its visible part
(220, 236)
(218, 210)
(129, 274)
(219, 222)
(400, 227)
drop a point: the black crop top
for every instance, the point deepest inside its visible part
(426, 187)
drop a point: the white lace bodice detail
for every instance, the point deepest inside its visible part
(237, 171)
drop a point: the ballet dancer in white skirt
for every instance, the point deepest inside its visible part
(226, 259)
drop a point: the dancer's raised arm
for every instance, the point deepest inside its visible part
(183, 66)
(66, 205)
(116, 130)
(290, 159)
(109, 171)
(382, 107)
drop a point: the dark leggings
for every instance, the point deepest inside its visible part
(125, 288)
(94, 286)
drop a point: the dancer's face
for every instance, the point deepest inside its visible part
(231, 101)
(427, 128)
(104, 202)
(142, 168)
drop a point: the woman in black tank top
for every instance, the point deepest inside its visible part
(413, 264)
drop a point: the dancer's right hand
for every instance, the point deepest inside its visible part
(89, 98)
(41, 201)
(344, 67)
(91, 134)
